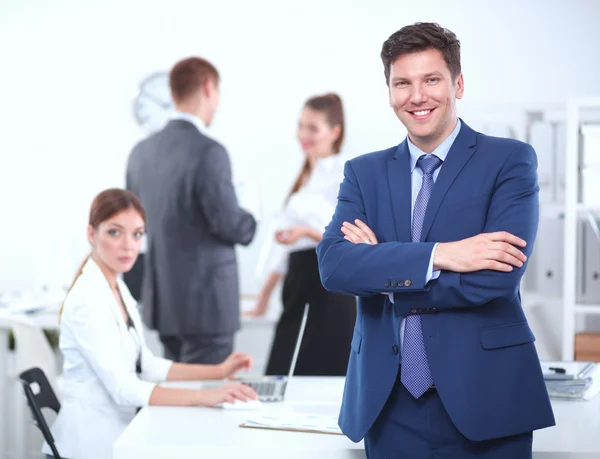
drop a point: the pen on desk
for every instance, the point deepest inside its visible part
(558, 370)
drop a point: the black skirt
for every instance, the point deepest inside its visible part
(325, 347)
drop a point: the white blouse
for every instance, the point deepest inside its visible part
(312, 205)
(101, 389)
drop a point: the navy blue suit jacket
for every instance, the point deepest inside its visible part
(478, 342)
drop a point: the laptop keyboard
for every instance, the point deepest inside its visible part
(265, 388)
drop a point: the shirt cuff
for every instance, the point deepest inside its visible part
(146, 389)
(431, 274)
(156, 369)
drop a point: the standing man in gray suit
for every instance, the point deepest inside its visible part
(190, 291)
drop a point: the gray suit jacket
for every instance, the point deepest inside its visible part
(193, 222)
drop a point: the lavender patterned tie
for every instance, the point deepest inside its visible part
(414, 372)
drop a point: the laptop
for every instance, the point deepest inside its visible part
(272, 388)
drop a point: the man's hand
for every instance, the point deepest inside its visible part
(496, 251)
(234, 363)
(359, 233)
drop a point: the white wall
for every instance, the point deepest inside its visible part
(70, 69)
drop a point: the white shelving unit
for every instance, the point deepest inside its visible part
(573, 210)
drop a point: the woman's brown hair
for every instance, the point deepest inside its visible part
(105, 206)
(331, 106)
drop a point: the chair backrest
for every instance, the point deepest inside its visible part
(32, 348)
(39, 394)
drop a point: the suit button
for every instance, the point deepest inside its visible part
(413, 311)
(407, 283)
(395, 349)
(387, 283)
(394, 284)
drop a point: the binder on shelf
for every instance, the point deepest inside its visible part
(549, 257)
(591, 274)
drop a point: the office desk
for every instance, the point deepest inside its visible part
(159, 432)
(254, 337)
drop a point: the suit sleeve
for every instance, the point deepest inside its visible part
(514, 208)
(218, 201)
(362, 269)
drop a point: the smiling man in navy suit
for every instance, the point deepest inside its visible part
(433, 235)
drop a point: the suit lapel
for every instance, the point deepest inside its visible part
(461, 151)
(103, 290)
(400, 191)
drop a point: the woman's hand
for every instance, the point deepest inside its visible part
(359, 233)
(260, 308)
(228, 393)
(234, 363)
(290, 235)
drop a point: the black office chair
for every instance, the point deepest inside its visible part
(45, 398)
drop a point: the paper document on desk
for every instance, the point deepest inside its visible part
(296, 422)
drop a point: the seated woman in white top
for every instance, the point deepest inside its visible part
(108, 370)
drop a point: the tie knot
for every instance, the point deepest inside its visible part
(429, 163)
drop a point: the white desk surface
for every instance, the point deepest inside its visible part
(159, 432)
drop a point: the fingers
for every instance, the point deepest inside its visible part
(239, 392)
(358, 235)
(506, 253)
(282, 236)
(351, 235)
(494, 265)
(245, 361)
(504, 236)
(514, 252)
(370, 234)
(511, 256)
(249, 392)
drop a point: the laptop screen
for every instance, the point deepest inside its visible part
(298, 342)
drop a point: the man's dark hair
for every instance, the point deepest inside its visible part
(188, 76)
(418, 37)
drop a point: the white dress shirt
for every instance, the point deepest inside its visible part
(197, 122)
(312, 205)
(416, 176)
(101, 390)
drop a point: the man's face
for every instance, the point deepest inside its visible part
(423, 96)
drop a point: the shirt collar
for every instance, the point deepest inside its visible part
(191, 119)
(441, 151)
(329, 163)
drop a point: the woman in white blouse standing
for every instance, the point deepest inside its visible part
(326, 343)
(108, 370)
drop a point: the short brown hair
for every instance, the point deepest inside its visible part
(188, 75)
(418, 37)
